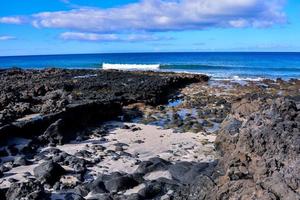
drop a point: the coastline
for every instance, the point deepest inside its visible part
(145, 135)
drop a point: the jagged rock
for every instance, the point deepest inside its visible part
(261, 160)
(121, 183)
(153, 164)
(54, 133)
(81, 190)
(72, 196)
(26, 190)
(48, 172)
(151, 190)
(199, 190)
(20, 161)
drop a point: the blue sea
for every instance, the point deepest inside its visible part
(218, 65)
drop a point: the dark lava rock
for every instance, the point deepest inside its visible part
(81, 190)
(4, 168)
(202, 185)
(258, 153)
(49, 172)
(120, 183)
(3, 193)
(20, 161)
(3, 153)
(258, 160)
(136, 129)
(27, 190)
(54, 133)
(151, 190)
(72, 196)
(78, 164)
(76, 97)
(100, 197)
(12, 180)
(125, 127)
(231, 125)
(186, 172)
(83, 153)
(134, 197)
(12, 150)
(153, 164)
(97, 186)
(114, 182)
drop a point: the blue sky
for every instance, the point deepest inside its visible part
(94, 26)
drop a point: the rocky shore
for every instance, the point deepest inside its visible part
(93, 134)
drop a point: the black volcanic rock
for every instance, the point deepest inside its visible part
(27, 190)
(49, 172)
(54, 133)
(76, 96)
(259, 146)
(120, 183)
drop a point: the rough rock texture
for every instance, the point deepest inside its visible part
(28, 190)
(76, 96)
(48, 172)
(259, 146)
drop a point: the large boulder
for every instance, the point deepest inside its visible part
(114, 182)
(260, 158)
(54, 133)
(49, 172)
(27, 190)
(153, 164)
(120, 183)
(259, 148)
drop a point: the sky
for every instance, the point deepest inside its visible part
(35, 27)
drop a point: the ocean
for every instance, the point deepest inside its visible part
(217, 65)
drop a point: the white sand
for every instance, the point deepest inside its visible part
(157, 142)
(16, 173)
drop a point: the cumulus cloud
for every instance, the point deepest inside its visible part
(162, 15)
(110, 37)
(11, 20)
(88, 36)
(6, 37)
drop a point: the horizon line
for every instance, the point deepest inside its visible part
(150, 52)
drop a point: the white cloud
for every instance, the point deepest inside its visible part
(110, 37)
(11, 20)
(88, 36)
(6, 37)
(162, 15)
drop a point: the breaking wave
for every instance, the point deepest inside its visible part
(130, 66)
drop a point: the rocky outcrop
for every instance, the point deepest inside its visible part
(261, 160)
(49, 172)
(259, 146)
(32, 190)
(32, 100)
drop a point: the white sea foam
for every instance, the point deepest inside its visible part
(237, 78)
(130, 66)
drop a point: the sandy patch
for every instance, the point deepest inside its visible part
(148, 142)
